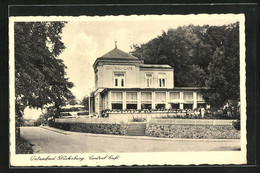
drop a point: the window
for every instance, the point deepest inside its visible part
(119, 79)
(146, 105)
(174, 95)
(117, 106)
(146, 100)
(160, 99)
(162, 79)
(187, 106)
(116, 96)
(131, 100)
(146, 96)
(148, 79)
(175, 100)
(188, 96)
(117, 100)
(175, 105)
(160, 106)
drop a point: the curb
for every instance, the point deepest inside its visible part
(135, 137)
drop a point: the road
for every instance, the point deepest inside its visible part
(49, 140)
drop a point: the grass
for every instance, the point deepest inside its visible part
(23, 146)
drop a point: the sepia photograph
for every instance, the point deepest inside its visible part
(125, 90)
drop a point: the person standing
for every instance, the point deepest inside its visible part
(202, 112)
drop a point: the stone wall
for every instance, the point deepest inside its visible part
(192, 131)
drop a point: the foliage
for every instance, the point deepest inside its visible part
(40, 77)
(177, 48)
(191, 131)
(85, 102)
(236, 125)
(73, 101)
(23, 146)
(223, 79)
(99, 128)
(201, 56)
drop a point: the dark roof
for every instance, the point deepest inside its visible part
(117, 54)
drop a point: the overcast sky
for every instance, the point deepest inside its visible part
(90, 38)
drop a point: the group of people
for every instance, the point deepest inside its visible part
(200, 111)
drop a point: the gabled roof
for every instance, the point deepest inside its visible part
(118, 54)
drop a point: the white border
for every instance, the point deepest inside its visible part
(159, 158)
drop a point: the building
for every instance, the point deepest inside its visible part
(123, 81)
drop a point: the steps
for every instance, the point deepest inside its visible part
(136, 129)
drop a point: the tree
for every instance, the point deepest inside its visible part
(40, 77)
(177, 48)
(85, 102)
(223, 79)
(201, 56)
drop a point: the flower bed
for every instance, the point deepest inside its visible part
(192, 131)
(116, 129)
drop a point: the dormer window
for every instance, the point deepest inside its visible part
(162, 80)
(119, 79)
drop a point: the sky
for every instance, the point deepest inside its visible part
(91, 37)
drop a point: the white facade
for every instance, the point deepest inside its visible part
(125, 82)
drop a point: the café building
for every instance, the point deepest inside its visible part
(123, 81)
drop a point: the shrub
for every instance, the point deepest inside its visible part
(118, 129)
(23, 146)
(192, 131)
(83, 113)
(236, 124)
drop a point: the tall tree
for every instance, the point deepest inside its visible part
(176, 47)
(223, 79)
(201, 56)
(40, 77)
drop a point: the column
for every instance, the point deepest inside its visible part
(139, 100)
(181, 98)
(124, 100)
(195, 99)
(153, 100)
(167, 106)
(109, 100)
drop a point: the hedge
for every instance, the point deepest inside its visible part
(116, 129)
(192, 131)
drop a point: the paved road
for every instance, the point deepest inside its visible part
(56, 141)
